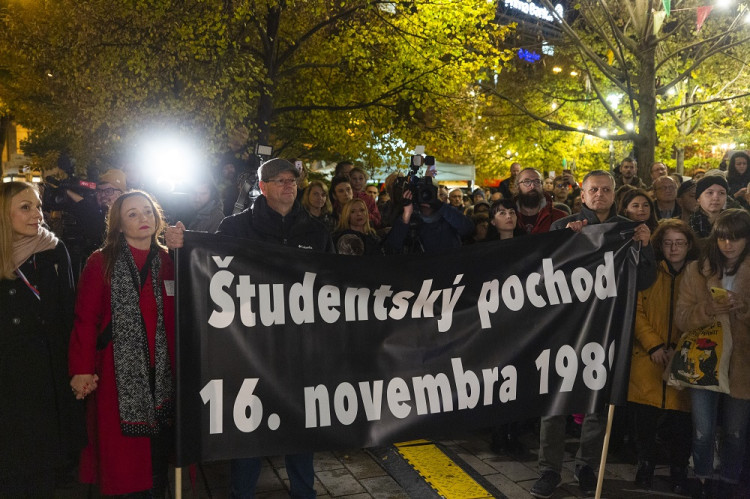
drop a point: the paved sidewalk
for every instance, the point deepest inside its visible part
(359, 473)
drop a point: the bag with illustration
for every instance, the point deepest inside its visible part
(701, 359)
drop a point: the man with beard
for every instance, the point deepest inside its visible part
(628, 174)
(535, 207)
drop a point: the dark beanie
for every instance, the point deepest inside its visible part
(685, 186)
(709, 180)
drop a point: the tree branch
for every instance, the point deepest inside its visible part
(700, 103)
(553, 124)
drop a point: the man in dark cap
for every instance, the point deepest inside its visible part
(275, 217)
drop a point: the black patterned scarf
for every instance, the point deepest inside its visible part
(145, 395)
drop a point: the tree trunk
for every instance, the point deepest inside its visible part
(680, 164)
(646, 142)
(265, 113)
(5, 122)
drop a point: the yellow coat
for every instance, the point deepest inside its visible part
(654, 326)
(692, 312)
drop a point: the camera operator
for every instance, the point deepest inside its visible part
(90, 213)
(435, 226)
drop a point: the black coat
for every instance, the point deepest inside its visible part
(42, 423)
(260, 223)
(646, 270)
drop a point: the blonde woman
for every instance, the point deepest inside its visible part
(42, 422)
(354, 235)
(317, 203)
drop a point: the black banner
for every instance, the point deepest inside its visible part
(284, 350)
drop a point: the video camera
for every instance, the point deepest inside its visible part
(423, 190)
(247, 183)
(56, 198)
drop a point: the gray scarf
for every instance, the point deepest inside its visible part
(145, 395)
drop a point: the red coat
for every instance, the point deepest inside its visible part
(119, 464)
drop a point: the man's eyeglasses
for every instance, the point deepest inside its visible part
(281, 181)
(530, 182)
(109, 191)
(676, 244)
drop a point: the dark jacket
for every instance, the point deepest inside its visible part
(637, 182)
(676, 212)
(42, 422)
(443, 231)
(208, 218)
(260, 223)
(351, 242)
(646, 263)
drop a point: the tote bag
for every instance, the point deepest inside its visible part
(701, 358)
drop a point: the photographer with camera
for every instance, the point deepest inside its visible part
(84, 206)
(434, 226)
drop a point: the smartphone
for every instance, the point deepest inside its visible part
(298, 166)
(718, 294)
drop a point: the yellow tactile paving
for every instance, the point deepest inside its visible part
(438, 470)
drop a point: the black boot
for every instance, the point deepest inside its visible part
(703, 489)
(725, 490)
(678, 478)
(644, 475)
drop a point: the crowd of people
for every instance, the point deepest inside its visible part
(95, 345)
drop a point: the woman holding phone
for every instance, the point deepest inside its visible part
(723, 264)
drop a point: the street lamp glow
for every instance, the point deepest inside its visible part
(629, 126)
(553, 105)
(671, 92)
(574, 73)
(614, 99)
(556, 69)
(603, 132)
(724, 4)
(579, 127)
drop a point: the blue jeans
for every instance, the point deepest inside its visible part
(734, 426)
(244, 473)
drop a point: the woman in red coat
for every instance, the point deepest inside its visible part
(122, 350)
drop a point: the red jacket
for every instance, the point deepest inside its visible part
(118, 464)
